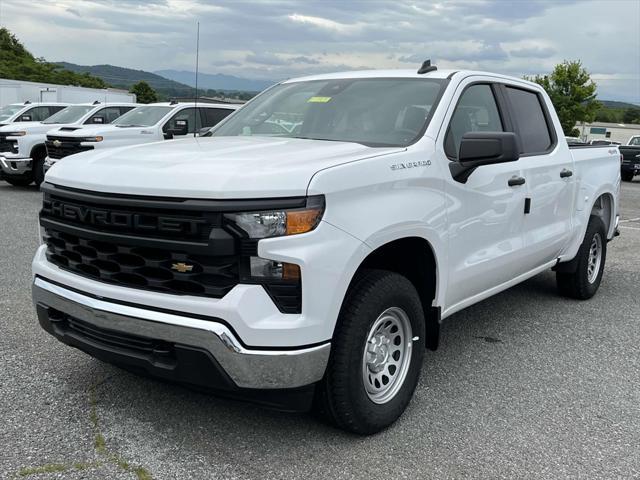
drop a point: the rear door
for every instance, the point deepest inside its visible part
(547, 167)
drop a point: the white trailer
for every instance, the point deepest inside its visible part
(18, 91)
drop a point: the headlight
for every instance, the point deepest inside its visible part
(278, 223)
(92, 139)
(16, 134)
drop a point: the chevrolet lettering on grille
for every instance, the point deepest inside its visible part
(125, 220)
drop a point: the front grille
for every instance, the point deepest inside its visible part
(182, 247)
(68, 146)
(8, 145)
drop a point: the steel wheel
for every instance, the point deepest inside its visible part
(595, 258)
(387, 355)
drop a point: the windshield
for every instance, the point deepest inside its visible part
(633, 141)
(370, 111)
(71, 114)
(142, 116)
(8, 111)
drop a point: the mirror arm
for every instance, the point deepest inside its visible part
(461, 173)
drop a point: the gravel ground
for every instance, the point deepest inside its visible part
(524, 385)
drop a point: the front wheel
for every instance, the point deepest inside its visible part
(584, 282)
(376, 355)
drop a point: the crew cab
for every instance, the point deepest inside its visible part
(23, 150)
(28, 112)
(308, 250)
(630, 158)
(145, 124)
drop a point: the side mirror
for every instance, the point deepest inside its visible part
(181, 127)
(484, 148)
(25, 118)
(97, 120)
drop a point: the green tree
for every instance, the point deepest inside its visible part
(17, 63)
(144, 92)
(572, 93)
(631, 115)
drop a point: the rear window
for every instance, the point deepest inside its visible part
(530, 120)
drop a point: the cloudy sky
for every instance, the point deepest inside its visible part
(277, 39)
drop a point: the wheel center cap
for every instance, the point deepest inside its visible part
(378, 353)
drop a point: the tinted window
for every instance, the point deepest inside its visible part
(188, 114)
(476, 111)
(36, 114)
(530, 120)
(634, 141)
(124, 110)
(105, 115)
(212, 116)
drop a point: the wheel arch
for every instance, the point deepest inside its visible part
(415, 258)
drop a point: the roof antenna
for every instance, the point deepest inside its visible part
(427, 67)
(197, 61)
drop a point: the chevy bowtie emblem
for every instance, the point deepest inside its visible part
(181, 267)
(57, 143)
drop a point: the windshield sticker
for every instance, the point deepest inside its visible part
(318, 99)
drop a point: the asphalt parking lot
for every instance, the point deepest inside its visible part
(524, 385)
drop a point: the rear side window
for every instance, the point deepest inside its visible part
(476, 111)
(212, 116)
(530, 120)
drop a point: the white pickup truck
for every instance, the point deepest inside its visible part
(28, 112)
(316, 262)
(145, 124)
(22, 148)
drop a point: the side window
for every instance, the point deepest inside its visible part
(188, 114)
(104, 115)
(476, 111)
(35, 114)
(124, 110)
(55, 109)
(530, 120)
(211, 116)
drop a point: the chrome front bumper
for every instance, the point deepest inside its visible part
(15, 166)
(247, 367)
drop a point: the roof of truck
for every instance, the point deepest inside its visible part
(405, 73)
(232, 106)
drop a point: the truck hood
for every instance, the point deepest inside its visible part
(213, 167)
(106, 131)
(32, 128)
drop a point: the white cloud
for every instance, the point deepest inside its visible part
(283, 38)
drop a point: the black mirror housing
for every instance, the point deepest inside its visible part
(484, 148)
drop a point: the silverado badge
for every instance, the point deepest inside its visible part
(182, 267)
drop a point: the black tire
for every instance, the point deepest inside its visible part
(18, 181)
(341, 396)
(576, 284)
(627, 176)
(38, 165)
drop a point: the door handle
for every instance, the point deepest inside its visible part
(515, 181)
(565, 173)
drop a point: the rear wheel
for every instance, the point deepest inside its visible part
(584, 282)
(376, 355)
(627, 176)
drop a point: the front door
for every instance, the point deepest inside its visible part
(485, 214)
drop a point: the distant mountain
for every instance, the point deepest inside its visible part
(614, 104)
(216, 81)
(120, 77)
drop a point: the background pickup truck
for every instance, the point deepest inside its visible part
(310, 247)
(23, 152)
(145, 124)
(630, 159)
